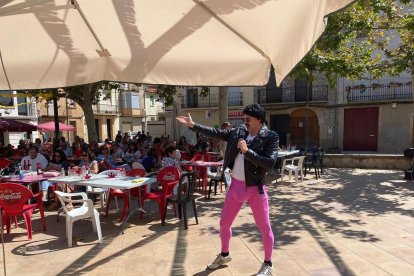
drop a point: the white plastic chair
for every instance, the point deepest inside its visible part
(103, 191)
(86, 210)
(295, 165)
(136, 165)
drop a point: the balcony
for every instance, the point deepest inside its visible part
(101, 108)
(211, 100)
(292, 94)
(379, 92)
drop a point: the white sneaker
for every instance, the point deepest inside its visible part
(265, 270)
(219, 261)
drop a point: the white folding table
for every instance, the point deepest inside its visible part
(103, 181)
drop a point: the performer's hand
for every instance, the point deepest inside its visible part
(188, 121)
(242, 146)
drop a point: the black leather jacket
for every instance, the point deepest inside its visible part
(260, 157)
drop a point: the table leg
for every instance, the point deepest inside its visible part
(131, 212)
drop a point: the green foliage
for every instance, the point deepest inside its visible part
(166, 93)
(356, 43)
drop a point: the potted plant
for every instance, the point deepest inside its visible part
(376, 85)
(395, 84)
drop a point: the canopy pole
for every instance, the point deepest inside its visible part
(103, 52)
(4, 71)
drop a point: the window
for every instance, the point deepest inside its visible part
(71, 104)
(6, 100)
(22, 106)
(152, 101)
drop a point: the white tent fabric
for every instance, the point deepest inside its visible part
(46, 44)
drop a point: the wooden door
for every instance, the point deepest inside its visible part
(361, 129)
(280, 124)
(304, 128)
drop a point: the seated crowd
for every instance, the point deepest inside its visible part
(58, 155)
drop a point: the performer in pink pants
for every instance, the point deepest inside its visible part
(251, 151)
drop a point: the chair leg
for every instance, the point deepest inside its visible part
(42, 216)
(162, 204)
(102, 200)
(28, 220)
(185, 215)
(165, 209)
(108, 200)
(215, 187)
(97, 225)
(195, 210)
(125, 208)
(69, 232)
(179, 210)
(209, 188)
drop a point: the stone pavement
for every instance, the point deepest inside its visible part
(350, 222)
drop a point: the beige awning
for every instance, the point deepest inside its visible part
(45, 44)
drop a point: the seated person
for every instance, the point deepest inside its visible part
(129, 155)
(57, 163)
(170, 158)
(150, 160)
(89, 160)
(33, 158)
(106, 161)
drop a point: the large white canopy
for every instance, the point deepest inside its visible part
(58, 43)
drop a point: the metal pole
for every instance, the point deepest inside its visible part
(307, 118)
(56, 116)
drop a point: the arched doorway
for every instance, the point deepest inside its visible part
(304, 128)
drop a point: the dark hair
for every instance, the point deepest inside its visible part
(91, 155)
(181, 140)
(169, 150)
(225, 124)
(256, 111)
(62, 155)
(33, 147)
(152, 152)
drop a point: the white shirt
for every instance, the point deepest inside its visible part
(238, 168)
(33, 162)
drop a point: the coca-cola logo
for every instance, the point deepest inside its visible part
(10, 195)
(169, 177)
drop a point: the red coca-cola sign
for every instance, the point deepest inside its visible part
(10, 196)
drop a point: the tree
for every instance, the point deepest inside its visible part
(84, 95)
(356, 43)
(87, 95)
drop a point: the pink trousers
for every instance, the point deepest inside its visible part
(236, 196)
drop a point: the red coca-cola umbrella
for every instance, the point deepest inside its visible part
(15, 126)
(50, 126)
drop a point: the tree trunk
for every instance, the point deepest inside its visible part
(90, 122)
(223, 104)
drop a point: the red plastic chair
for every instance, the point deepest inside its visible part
(118, 193)
(201, 172)
(13, 198)
(185, 156)
(168, 177)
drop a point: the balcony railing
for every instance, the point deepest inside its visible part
(105, 108)
(379, 92)
(292, 94)
(212, 100)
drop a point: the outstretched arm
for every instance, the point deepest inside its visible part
(222, 134)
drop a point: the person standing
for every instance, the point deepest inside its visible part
(251, 151)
